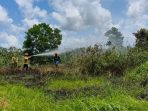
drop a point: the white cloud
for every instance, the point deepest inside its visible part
(9, 30)
(8, 40)
(83, 22)
(136, 18)
(137, 8)
(134, 8)
(81, 14)
(138, 12)
(30, 22)
(15, 29)
(7, 22)
(4, 18)
(32, 14)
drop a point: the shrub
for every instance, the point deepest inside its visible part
(6, 55)
(96, 61)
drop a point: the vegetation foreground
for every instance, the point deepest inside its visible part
(76, 93)
(89, 79)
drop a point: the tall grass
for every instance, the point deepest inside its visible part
(97, 61)
(19, 98)
(58, 84)
(22, 99)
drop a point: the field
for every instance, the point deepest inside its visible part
(69, 88)
(61, 92)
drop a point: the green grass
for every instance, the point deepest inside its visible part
(19, 98)
(116, 102)
(57, 84)
(136, 81)
(100, 93)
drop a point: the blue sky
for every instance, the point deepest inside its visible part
(82, 22)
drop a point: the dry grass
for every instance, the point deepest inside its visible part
(4, 103)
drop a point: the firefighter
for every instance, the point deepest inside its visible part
(56, 59)
(26, 61)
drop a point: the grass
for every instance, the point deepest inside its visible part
(118, 102)
(19, 98)
(57, 84)
(89, 93)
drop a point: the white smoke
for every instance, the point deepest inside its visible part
(51, 53)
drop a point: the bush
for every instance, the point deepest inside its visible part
(139, 74)
(103, 62)
(136, 56)
(96, 61)
(7, 53)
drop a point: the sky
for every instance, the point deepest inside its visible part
(82, 22)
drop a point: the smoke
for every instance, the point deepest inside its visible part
(51, 53)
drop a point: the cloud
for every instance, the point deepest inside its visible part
(76, 15)
(83, 22)
(30, 22)
(8, 40)
(135, 18)
(32, 14)
(137, 11)
(137, 8)
(4, 18)
(8, 30)
(7, 22)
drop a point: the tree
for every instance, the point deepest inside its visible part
(142, 38)
(115, 37)
(42, 37)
